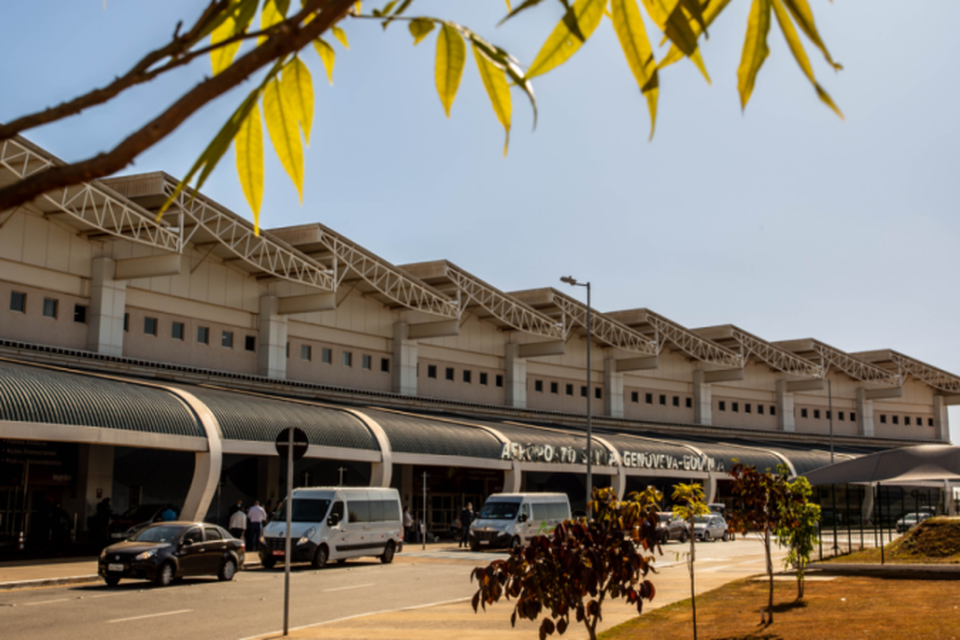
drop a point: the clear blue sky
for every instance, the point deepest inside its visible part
(784, 220)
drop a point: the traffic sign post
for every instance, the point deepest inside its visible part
(291, 444)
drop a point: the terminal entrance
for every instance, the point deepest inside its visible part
(448, 492)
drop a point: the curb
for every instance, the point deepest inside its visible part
(47, 582)
(902, 571)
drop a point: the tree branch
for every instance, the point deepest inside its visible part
(288, 38)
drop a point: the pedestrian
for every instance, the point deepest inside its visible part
(408, 524)
(168, 514)
(236, 507)
(466, 517)
(104, 514)
(238, 523)
(256, 516)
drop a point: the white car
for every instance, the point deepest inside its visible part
(711, 527)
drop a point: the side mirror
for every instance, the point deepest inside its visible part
(186, 543)
(333, 520)
(522, 518)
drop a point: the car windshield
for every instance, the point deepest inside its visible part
(162, 533)
(499, 511)
(141, 513)
(702, 519)
(664, 518)
(304, 510)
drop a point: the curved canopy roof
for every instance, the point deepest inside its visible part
(414, 433)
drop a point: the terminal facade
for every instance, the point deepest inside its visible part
(156, 361)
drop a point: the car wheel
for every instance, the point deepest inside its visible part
(387, 556)
(684, 536)
(516, 543)
(227, 570)
(726, 536)
(112, 581)
(706, 536)
(320, 557)
(165, 575)
(665, 538)
(268, 563)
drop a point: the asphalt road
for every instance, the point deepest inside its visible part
(252, 604)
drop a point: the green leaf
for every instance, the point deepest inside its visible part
(796, 47)
(695, 11)
(755, 49)
(713, 10)
(327, 56)
(284, 132)
(341, 36)
(420, 28)
(297, 86)
(268, 17)
(628, 23)
(508, 63)
(804, 16)
(240, 11)
(451, 56)
(248, 147)
(495, 82)
(222, 58)
(563, 42)
(526, 4)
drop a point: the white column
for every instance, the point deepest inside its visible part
(941, 420)
(108, 298)
(612, 389)
(513, 479)
(404, 372)
(94, 472)
(864, 414)
(272, 352)
(702, 400)
(866, 509)
(786, 420)
(515, 377)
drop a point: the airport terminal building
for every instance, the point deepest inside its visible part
(156, 362)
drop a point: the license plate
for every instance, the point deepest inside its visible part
(278, 552)
(114, 567)
(484, 542)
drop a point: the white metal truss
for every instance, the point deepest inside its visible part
(690, 343)
(603, 328)
(89, 202)
(779, 359)
(854, 367)
(503, 307)
(936, 378)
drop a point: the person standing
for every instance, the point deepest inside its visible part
(238, 523)
(408, 525)
(168, 514)
(466, 517)
(256, 516)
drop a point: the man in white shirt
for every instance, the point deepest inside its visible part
(238, 523)
(256, 516)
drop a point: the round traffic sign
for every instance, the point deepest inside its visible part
(300, 443)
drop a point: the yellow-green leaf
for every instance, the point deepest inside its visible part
(709, 15)
(495, 82)
(284, 132)
(628, 23)
(248, 146)
(755, 49)
(420, 28)
(695, 11)
(804, 16)
(451, 56)
(269, 17)
(340, 35)
(222, 58)
(567, 37)
(327, 55)
(297, 85)
(796, 47)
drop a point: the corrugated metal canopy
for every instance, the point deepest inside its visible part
(37, 394)
(417, 433)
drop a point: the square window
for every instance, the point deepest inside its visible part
(634, 396)
(929, 422)
(676, 401)
(583, 391)
(326, 355)
(554, 387)
(569, 389)
(449, 374)
(760, 409)
(306, 352)
(773, 410)
(803, 413)
(840, 416)
(484, 378)
(663, 399)
(80, 313)
(538, 385)
(432, 371)
(499, 380)
(735, 406)
(467, 376)
(150, 326)
(126, 322)
(598, 393)
(648, 398)
(203, 335)
(176, 331)
(226, 339)
(883, 418)
(18, 302)
(49, 308)
(896, 419)
(689, 403)
(366, 362)
(385, 365)
(723, 405)
(816, 414)
(346, 358)
(250, 343)
(747, 408)
(853, 417)
(906, 420)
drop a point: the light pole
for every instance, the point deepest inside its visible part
(573, 283)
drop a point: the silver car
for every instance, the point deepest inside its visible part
(711, 527)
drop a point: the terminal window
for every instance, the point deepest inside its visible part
(431, 371)
(554, 387)
(598, 393)
(760, 409)
(803, 413)
(929, 422)
(634, 396)
(450, 374)
(896, 419)
(722, 405)
(347, 359)
(735, 406)
(226, 339)
(483, 378)
(816, 414)
(689, 403)
(676, 401)
(366, 362)
(306, 352)
(385, 365)
(583, 391)
(883, 418)
(853, 417)
(569, 389)
(80, 313)
(126, 322)
(467, 376)
(250, 343)
(648, 398)
(49, 308)
(18, 302)
(663, 400)
(906, 420)
(840, 416)
(747, 408)
(828, 414)
(150, 326)
(326, 355)
(773, 410)
(499, 380)
(538, 385)
(176, 331)
(203, 335)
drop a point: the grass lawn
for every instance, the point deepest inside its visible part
(933, 541)
(839, 609)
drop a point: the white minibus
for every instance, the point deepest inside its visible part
(512, 519)
(335, 523)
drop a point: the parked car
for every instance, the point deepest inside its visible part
(911, 520)
(133, 520)
(711, 527)
(672, 528)
(165, 551)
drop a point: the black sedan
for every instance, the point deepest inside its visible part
(166, 551)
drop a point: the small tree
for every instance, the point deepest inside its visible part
(572, 571)
(690, 503)
(799, 534)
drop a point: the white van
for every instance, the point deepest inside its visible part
(512, 519)
(336, 523)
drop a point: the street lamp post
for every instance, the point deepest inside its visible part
(573, 282)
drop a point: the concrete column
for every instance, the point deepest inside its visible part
(268, 479)
(866, 510)
(941, 420)
(513, 479)
(702, 400)
(515, 378)
(864, 414)
(272, 352)
(404, 372)
(108, 299)
(612, 389)
(406, 484)
(94, 471)
(710, 491)
(786, 420)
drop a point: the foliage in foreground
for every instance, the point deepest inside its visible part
(689, 502)
(569, 574)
